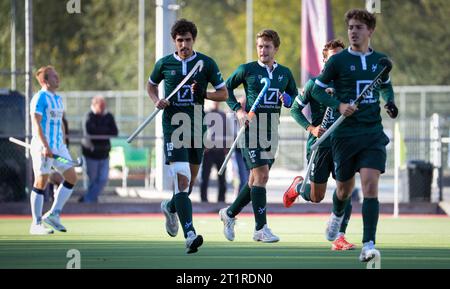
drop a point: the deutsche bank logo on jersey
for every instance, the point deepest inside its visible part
(271, 97)
(360, 86)
(185, 94)
(56, 113)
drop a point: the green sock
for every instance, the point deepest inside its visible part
(338, 205)
(258, 195)
(306, 195)
(184, 209)
(171, 205)
(347, 214)
(241, 201)
(370, 212)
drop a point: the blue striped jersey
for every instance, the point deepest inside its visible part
(51, 107)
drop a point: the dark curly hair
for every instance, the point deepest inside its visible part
(182, 27)
(362, 15)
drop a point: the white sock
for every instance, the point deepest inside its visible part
(37, 202)
(61, 197)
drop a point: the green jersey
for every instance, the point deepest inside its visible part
(317, 113)
(172, 69)
(250, 75)
(351, 72)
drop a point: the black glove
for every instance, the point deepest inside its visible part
(391, 109)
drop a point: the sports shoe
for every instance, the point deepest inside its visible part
(291, 194)
(53, 220)
(341, 244)
(265, 235)
(171, 219)
(228, 224)
(333, 226)
(40, 229)
(368, 252)
(193, 241)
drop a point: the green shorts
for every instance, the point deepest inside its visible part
(322, 166)
(258, 157)
(351, 154)
(183, 154)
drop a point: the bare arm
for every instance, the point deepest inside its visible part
(37, 122)
(63, 128)
(152, 91)
(220, 94)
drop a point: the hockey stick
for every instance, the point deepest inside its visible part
(251, 114)
(387, 66)
(197, 67)
(325, 121)
(77, 163)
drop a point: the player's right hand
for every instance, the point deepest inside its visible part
(47, 152)
(347, 109)
(316, 131)
(329, 90)
(242, 117)
(162, 104)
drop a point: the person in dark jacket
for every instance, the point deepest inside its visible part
(98, 127)
(215, 151)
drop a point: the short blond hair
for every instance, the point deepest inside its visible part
(42, 73)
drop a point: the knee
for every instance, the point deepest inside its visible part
(343, 192)
(40, 182)
(317, 193)
(182, 174)
(370, 189)
(70, 176)
(260, 179)
(317, 198)
(183, 182)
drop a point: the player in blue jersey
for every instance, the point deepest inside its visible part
(46, 110)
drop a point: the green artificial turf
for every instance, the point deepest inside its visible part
(137, 242)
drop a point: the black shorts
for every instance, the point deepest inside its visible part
(351, 154)
(183, 154)
(322, 166)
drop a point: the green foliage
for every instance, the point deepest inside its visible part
(98, 49)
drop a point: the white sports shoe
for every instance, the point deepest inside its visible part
(193, 241)
(265, 235)
(40, 229)
(368, 252)
(333, 226)
(171, 219)
(228, 224)
(53, 220)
